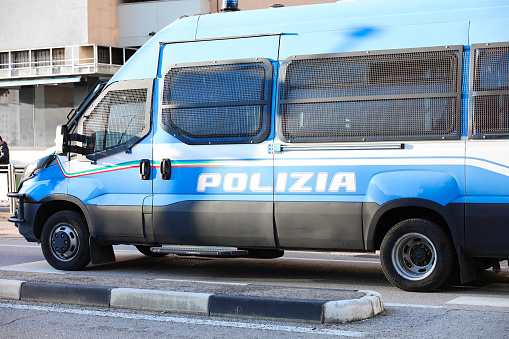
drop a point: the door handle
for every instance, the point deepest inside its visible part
(144, 169)
(165, 169)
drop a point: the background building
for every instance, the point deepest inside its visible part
(53, 51)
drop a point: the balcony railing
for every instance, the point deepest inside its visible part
(66, 60)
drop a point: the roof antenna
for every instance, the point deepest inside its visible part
(230, 6)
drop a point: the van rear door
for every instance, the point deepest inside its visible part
(211, 143)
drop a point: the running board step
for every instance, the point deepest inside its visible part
(201, 251)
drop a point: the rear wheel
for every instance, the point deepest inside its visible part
(417, 255)
(64, 241)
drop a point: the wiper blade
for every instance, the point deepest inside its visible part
(75, 114)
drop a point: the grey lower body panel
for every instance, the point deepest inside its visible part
(117, 223)
(215, 223)
(319, 225)
(487, 230)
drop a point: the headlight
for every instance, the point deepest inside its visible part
(34, 167)
(29, 171)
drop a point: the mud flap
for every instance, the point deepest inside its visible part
(468, 270)
(101, 254)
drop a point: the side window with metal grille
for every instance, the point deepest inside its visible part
(386, 95)
(119, 120)
(218, 103)
(490, 91)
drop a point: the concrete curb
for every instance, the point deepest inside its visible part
(153, 300)
(316, 311)
(345, 311)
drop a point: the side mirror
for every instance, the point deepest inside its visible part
(61, 140)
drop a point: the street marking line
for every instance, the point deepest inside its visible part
(189, 321)
(411, 305)
(20, 246)
(34, 266)
(480, 301)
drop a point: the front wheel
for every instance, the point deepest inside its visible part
(64, 241)
(417, 255)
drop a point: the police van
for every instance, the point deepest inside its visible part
(351, 126)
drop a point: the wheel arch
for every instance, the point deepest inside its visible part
(59, 202)
(377, 220)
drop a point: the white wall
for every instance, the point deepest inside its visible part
(24, 157)
(137, 20)
(42, 23)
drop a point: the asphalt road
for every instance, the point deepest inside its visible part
(477, 310)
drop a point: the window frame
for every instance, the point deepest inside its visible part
(204, 141)
(474, 68)
(118, 86)
(458, 49)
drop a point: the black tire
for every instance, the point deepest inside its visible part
(417, 255)
(146, 250)
(65, 241)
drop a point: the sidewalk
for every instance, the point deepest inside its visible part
(238, 301)
(4, 213)
(8, 229)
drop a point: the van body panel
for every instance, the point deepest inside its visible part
(434, 184)
(217, 194)
(487, 208)
(215, 223)
(111, 186)
(493, 30)
(487, 151)
(375, 214)
(374, 38)
(345, 16)
(314, 171)
(50, 181)
(319, 225)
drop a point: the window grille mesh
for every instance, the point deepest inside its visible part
(225, 103)
(230, 123)
(490, 116)
(117, 119)
(339, 98)
(374, 119)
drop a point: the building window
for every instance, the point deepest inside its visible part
(103, 55)
(58, 55)
(117, 56)
(20, 59)
(4, 60)
(41, 58)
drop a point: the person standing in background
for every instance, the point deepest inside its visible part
(4, 152)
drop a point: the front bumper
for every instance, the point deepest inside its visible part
(19, 215)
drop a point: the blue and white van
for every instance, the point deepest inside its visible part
(352, 126)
